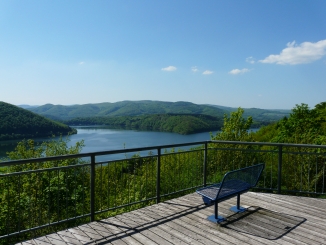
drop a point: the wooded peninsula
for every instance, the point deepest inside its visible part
(177, 117)
(18, 123)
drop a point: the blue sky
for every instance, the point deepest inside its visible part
(263, 54)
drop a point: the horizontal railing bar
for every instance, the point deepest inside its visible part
(147, 157)
(125, 159)
(146, 200)
(44, 170)
(44, 226)
(303, 192)
(124, 205)
(43, 159)
(266, 143)
(273, 151)
(98, 153)
(220, 146)
(242, 150)
(81, 155)
(183, 190)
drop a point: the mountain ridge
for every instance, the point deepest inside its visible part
(146, 107)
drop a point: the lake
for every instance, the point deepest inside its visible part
(99, 138)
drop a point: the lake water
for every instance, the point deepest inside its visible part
(105, 139)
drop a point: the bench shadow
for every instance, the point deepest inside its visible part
(263, 223)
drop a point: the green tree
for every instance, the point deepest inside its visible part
(304, 126)
(235, 127)
(33, 198)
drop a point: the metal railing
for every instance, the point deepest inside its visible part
(39, 195)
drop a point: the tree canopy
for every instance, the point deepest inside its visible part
(18, 123)
(235, 127)
(177, 123)
(303, 126)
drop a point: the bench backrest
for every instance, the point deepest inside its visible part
(240, 180)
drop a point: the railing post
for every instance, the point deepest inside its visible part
(205, 165)
(279, 172)
(158, 176)
(92, 194)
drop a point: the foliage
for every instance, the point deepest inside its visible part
(305, 169)
(33, 198)
(125, 108)
(147, 107)
(303, 126)
(235, 128)
(261, 117)
(51, 194)
(18, 123)
(177, 123)
(29, 197)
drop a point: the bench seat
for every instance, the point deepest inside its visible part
(234, 183)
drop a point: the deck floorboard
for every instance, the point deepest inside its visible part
(269, 219)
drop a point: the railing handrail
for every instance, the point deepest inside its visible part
(268, 144)
(97, 153)
(158, 154)
(148, 148)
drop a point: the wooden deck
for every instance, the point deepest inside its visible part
(270, 219)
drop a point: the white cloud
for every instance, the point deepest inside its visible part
(238, 71)
(250, 60)
(194, 69)
(169, 68)
(82, 62)
(294, 54)
(208, 72)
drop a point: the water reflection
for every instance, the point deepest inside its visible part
(99, 138)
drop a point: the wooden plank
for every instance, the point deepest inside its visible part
(204, 225)
(155, 227)
(198, 225)
(133, 232)
(68, 237)
(244, 232)
(56, 239)
(121, 233)
(172, 229)
(243, 238)
(143, 228)
(183, 221)
(188, 229)
(85, 235)
(270, 202)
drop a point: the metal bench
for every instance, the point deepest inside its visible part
(234, 183)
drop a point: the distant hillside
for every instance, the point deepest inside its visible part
(124, 108)
(27, 106)
(176, 123)
(18, 123)
(147, 107)
(260, 116)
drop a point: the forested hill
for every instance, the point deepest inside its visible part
(18, 123)
(177, 123)
(147, 107)
(124, 108)
(263, 116)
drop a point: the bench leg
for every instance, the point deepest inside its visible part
(238, 208)
(215, 218)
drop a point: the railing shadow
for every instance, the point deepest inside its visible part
(255, 221)
(158, 219)
(263, 223)
(123, 226)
